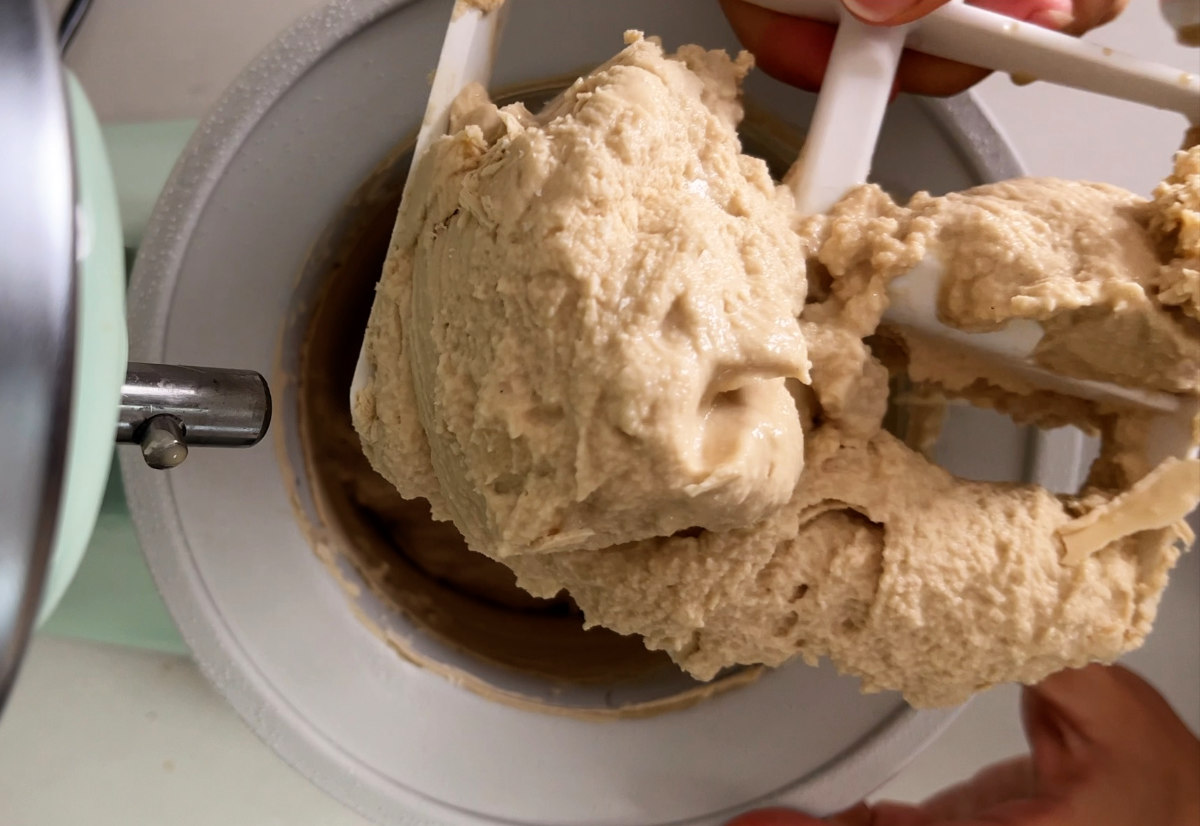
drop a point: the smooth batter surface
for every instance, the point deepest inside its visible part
(900, 573)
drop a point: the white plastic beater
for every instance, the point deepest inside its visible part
(845, 129)
(850, 108)
(468, 55)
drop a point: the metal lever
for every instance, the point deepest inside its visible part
(167, 409)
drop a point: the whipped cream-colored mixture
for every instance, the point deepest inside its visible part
(607, 348)
(595, 314)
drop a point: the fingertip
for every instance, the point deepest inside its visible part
(788, 48)
(1091, 14)
(1056, 745)
(924, 74)
(1073, 684)
(891, 12)
(1049, 14)
(750, 22)
(1073, 17)
(1099, 701)
(1112, 11)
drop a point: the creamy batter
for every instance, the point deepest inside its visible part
(1098, 268)
(439, 605)
(542, 266)
(596, 316)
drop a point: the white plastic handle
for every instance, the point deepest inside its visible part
(468, 55)
(982, 38)
(850, 108)
(837, 156)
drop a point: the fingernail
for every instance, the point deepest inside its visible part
(879, 11)
(1052, 19)
(1049, 14)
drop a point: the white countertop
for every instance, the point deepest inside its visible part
(106, 734)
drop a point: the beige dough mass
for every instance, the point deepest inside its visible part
(537, 381)
(595, 313)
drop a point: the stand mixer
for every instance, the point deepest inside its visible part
(65, 381)
(248, 566)
(243, 232)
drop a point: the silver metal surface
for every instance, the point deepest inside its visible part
(37, 314)
(163, 446)
(165, 408)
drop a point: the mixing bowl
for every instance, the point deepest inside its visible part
(288, 186)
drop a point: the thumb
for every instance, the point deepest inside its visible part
(891, 12)
(1099, 703)
(1097, 707)
(1053, 14)
(1074, 714)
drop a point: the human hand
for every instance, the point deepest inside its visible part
(1106, 750)
(796, 51)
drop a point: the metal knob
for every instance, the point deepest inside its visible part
(163, 446)
(168, 409)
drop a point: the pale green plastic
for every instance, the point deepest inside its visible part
(101, 348)
(112, 598)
